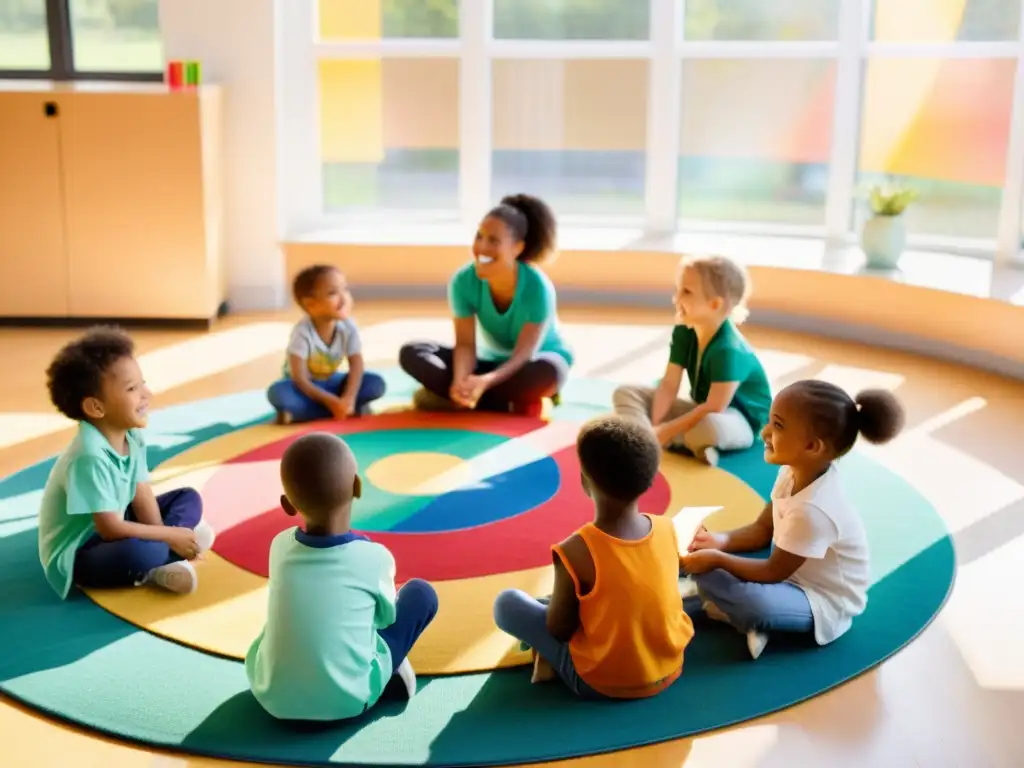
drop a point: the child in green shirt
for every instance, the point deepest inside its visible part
(337, 633)
(100, 525)
(729, 396)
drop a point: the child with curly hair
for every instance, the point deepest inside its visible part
(100, 524)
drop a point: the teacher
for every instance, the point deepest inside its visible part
(523, 357)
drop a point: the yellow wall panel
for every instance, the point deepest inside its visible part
(350, 19)
(351, 111)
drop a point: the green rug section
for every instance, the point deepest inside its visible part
(75, 661)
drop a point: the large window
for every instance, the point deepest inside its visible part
(90, 39)
(572, 132)
(724, 114)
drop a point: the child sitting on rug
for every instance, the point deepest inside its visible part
(816, 578)
(312, 386)
(337, 635)
(614, 626)
(729, 391)
(99, 523)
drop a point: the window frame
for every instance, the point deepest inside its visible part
(665, 51)
(62, 55)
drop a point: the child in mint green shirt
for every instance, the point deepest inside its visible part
(100, 524)
(337, 633)
(509, 351)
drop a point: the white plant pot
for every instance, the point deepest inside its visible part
(883, 239)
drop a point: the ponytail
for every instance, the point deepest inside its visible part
(880, 416)
(838, 419)
(531, 221)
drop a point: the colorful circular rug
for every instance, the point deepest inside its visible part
(472, 503)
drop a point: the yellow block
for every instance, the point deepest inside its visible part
(228, 610)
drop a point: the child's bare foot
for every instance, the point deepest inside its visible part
(283, 418)
(542, 671)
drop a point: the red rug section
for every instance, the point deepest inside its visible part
(513, 544)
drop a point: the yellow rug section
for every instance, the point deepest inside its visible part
(228, 610)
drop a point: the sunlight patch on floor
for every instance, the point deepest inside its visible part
(209, 354)
(985, 619)
(21, 427)
(853, 379)
(505, 457)
(742, 748)
(962, 488)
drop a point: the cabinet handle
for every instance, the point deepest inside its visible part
(50, 109)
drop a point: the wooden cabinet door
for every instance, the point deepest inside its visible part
(133, 181)
(33, 256)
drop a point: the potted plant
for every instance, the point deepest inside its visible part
(884, 235)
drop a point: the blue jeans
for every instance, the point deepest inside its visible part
(781, 607)
(122, 563)
(416, 607)
(285, 396)
(525, 618)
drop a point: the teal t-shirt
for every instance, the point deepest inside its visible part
(728, 357)
(319, 656)
(90, 477)
(534, 302)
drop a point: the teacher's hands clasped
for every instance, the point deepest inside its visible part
(467, 392)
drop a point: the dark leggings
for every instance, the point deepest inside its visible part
(431, 365)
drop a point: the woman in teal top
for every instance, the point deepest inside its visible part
(509, 352)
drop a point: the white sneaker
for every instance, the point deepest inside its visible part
(407, 676)
(205, 536)
(756, 641)
(709, 456)
(178, 577)
(687, 587)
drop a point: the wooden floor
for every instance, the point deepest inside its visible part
(955, 697)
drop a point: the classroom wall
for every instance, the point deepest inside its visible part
(212, 32)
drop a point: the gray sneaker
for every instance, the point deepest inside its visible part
(178, 577)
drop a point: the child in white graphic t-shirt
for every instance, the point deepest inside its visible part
(313, 386)
(816, 577)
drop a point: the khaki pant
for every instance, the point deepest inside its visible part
(727, 431)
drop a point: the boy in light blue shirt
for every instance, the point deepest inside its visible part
(313, 386)
(337, 632)
(100, 525)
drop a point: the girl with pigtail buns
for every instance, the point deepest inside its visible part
(815, 581)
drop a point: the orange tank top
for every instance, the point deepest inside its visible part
(633, 629)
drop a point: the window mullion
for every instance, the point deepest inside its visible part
(1008, 244)
(663, 116)
(854, 18)
(475, 109)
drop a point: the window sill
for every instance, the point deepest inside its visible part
(931, 268)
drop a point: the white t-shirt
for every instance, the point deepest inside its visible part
(819, 523)
(323, 360)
